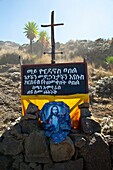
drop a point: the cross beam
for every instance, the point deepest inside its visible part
(52, 25)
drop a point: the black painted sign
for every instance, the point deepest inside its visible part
(54, 79)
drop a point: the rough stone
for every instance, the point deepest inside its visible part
(32, 109)
(1, 138)
(69, 165)
(90, 126)
(13, 69)
(16, 131)
(17, 160)
(5, 162)
(24, 166)
(11, 146)
(107, 125)
(36, 149)
(96, 153)
(112, 152)
(1, 148)
(28, 116)
(78, 140)
(16, 164)
(83, 105)
(85, 112)
(62, 151)
(35, 166)
(29, 126)
(104, 86)
(6, 134)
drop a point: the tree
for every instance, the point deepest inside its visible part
(31, 32)
(109, 61)
(44, 40)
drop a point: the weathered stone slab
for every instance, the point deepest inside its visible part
(28, 116)
(1, 138)
(85, 112)
(96, 153)
(112, 152)
(70, 165)
(35, 166)
(90, 126)
(16, 131)
(78, 140)
(11, 146)
(5, 162)
(28, 126)
(6, 134)
(17, 160)
(62, 151)
(24, 166)
(36, 149)
(83, 105)
(32, 109)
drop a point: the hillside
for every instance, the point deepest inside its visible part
(100, 79)
(93, 51)
(8, 45)
(100, 84)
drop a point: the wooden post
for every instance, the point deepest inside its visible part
(52, 36)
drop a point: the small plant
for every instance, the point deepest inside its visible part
(109, 61)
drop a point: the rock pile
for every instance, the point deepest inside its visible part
(104, 87)
(25, 146)
(10, 100)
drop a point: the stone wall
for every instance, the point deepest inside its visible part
(25, 147)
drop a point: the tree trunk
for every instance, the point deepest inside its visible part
(31, 46)
(42, 50)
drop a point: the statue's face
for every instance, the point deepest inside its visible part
(55, 110)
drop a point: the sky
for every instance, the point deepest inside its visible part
(83, 19)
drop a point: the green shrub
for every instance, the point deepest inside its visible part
(109, 60)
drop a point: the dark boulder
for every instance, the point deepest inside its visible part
(69, 165)
(62, 151)
(96, 153)
(36, 149)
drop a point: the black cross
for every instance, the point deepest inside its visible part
(52, 36)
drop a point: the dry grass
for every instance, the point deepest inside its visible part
(17, 52)
(95, 74)
(103, 73)
(45, 59)
(111, 71)
(69, 60)
(13, 56)
(100, 72)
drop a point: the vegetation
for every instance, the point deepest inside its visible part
(109, 61)
(44, 40)
(31, 32)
